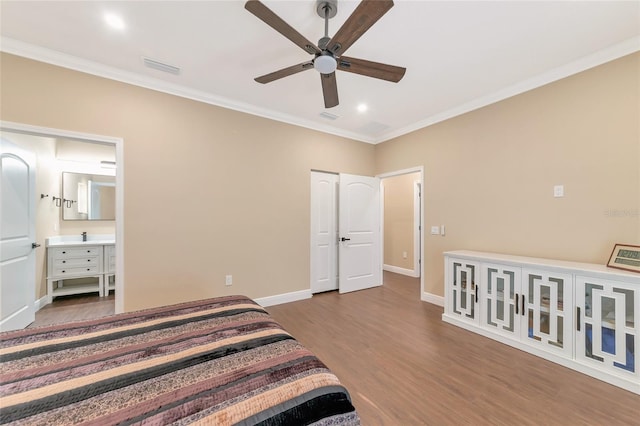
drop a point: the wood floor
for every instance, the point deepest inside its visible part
(404, 366)
(74, 308)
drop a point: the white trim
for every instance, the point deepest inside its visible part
(598, 58)
(417, 225)
(401, 271)
(90, 137)
(40, 303)
(279, 299)
(401, 172)
(416, 169)
(49, 56)
(432, 298)
(38, 53)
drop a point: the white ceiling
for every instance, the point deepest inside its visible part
(459, 55)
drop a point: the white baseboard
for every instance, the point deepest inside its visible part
(432, 298)
(40, 303)
(279, 299)
(402, 271)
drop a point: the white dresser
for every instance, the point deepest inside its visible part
(68, 257)
(583, 316)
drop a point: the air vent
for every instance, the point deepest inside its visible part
(328, 116)
(156, 65)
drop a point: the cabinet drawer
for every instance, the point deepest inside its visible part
(78, 261)
(75, 270)
(63, 253)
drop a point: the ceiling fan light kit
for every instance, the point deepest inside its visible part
(328, 53)
(325, 64)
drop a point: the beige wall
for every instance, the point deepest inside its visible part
(489, 174)
(399, 220)
(208, 191)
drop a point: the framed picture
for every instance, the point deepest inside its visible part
(625, 257)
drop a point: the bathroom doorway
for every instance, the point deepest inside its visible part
(59, 151)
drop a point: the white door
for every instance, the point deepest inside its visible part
(17, 233)
(359, 225)
(324, 232)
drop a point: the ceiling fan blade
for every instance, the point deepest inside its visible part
(329, 89)
(276, 75)
(366, 14)
(371, 69)
(274, 21)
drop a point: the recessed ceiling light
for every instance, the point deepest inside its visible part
(362, 108)
(114, 21)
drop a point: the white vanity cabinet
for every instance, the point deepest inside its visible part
(582, 316)
(73, 262)
(70, 258)
(109, 268)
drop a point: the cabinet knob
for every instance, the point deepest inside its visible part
(64, 252)
(64, 261)
(64, 272)
(88, 260)
(88, 269)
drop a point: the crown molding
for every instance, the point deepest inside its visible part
(611, 53)
(53, 57)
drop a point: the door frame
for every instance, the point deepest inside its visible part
(401, 172)
(28, 129)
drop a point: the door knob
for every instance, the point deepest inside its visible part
(35, 245)
(345, 239)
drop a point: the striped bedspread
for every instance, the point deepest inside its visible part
(219, 361)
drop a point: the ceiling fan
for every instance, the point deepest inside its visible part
(328, 54)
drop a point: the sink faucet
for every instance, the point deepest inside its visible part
(84, 236)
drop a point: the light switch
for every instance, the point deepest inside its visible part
(558, 191)
(442, 230)
(435, 230)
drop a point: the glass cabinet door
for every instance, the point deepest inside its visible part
(546, 306)
(500, 311)
(463, 288)
(607, 325)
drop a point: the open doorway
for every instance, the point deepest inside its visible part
(402, 230)
(327, 239)
(47, 145)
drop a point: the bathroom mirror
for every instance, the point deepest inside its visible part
(88, 197)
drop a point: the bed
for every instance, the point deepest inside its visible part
(218, 361)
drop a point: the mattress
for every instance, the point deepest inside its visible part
(218, 361)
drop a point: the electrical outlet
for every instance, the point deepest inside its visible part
(228, 280)
(404, 254)
(435, 230)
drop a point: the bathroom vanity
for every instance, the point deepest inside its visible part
(69, 257)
